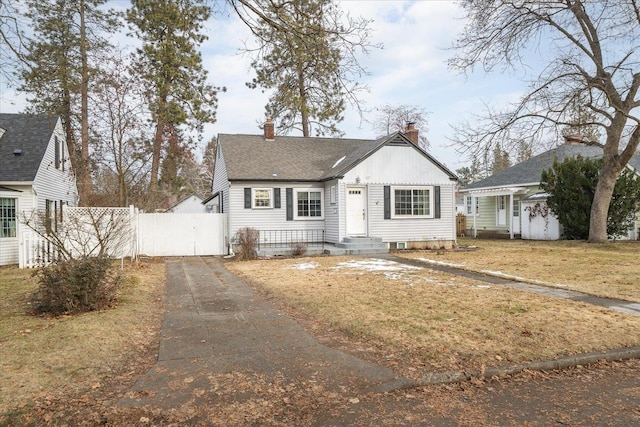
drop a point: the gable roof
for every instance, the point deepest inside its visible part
(306, 159)
(530, 171)
(29, 133)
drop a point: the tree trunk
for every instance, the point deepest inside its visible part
(304, 112)
(611, 168)
(155, 158)
(85, 175)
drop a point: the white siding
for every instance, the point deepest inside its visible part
(9, 246)
(409, 229)
(394, 164)
(221, 185)
(332, 212)
(268, 219)
(53, 183)
(402, 165)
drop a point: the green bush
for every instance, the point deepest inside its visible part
(76, 286)
(572, 185)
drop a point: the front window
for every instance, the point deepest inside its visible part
(262, 197)
(309, 204)
(412, 202)
(7, 217)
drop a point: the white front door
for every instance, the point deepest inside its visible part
(356, 211)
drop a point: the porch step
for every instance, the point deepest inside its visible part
(358, 245)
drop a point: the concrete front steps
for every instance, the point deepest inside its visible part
(348, 246)
(357, 246)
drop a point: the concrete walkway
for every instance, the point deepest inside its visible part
(628, 307)
(214, 324)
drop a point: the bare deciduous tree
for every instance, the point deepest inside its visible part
(394, 118)
(591, 50)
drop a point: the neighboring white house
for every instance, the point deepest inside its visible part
(333, 188)
(510, 203)
(35, 173)
(189, 204)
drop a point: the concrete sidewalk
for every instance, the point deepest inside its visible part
(214, 324)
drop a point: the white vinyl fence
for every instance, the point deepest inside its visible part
(125, 232)
(181, 234)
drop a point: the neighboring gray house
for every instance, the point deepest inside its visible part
(331, 189)
(35, 173)
(495, 206)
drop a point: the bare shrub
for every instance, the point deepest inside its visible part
(298, 248)
(247, 239)
(76, 286)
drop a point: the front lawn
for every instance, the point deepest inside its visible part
(418, 320)
(607, 270)
(40, 354)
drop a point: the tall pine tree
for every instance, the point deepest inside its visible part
(306, 54)
(63, 57)
(176, 83)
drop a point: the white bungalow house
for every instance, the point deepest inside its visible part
(35, 173)
(511, 204)
(342, 192)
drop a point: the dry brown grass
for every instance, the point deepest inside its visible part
(608, 270)
(44, 354)
(435, 320)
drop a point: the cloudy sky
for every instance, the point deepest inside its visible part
(411, 69)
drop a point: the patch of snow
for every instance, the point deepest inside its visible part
(375, 264)
(481, 286)
(433, 261)
(304, 266)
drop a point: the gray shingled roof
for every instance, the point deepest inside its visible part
(289, 158)
(530, 170)
(27, 132)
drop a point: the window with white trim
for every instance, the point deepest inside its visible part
(7, 217)
(262, 198)
(308, 204)
(412, 202)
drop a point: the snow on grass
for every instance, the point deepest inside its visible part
(375, 264)
(304, 266)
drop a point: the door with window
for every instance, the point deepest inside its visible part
(516, 216)
(356, 211)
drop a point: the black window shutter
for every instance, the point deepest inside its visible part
(387, 202)
(221, 202)
(247, 198)
(436, 201)
(276, 197)
(289, 204)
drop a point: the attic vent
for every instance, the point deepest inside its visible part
(338, 162)
(17, 152)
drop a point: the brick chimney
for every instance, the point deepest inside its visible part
(411, 132)
(269, 130)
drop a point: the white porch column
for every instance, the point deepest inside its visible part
(510, 210)
(473, 212)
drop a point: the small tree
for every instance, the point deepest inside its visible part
(571, 186)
